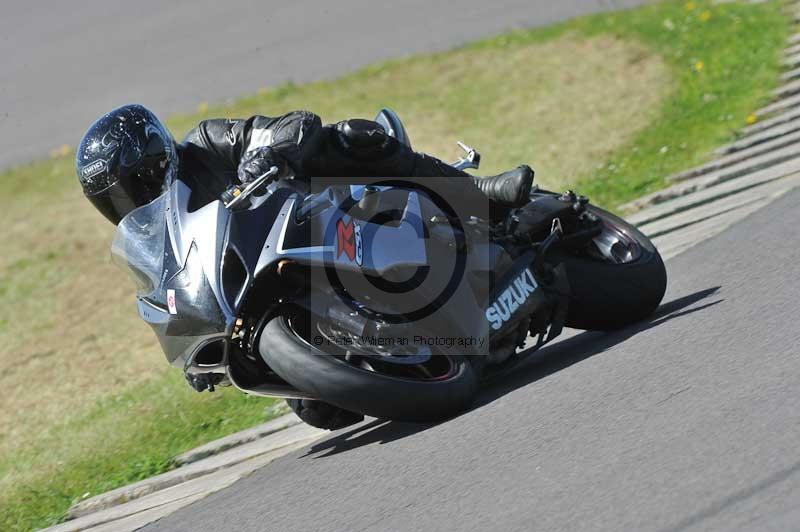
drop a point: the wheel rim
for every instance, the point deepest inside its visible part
(410, 367)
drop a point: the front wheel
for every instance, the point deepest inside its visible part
(617, 280)
(439, 388)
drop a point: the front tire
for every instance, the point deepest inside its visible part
(286, 348)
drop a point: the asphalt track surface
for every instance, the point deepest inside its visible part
(690, 421)
(65, 63)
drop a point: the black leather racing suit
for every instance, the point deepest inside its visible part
(212, 152)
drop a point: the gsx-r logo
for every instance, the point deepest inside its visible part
(348, 241)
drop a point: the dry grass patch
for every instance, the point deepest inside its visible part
(75, 334)
(560, 106)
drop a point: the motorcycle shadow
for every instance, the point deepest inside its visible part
(536, 365)
(374, 431)
(531, 367)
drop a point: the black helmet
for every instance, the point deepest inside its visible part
(124, 160)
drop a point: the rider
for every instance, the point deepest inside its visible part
(127, 155)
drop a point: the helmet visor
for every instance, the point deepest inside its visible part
(117, 200)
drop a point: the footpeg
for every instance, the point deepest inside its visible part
(471, 159)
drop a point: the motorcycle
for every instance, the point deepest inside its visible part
(377, 297)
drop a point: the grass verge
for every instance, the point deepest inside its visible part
(118, 440)
(608, 104)
(724, 59)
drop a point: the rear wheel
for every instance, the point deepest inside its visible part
(617, 280)
(425, 388)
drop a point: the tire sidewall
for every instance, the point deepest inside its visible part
(332, 380)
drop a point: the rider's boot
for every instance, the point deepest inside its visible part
(504, 192)
(323, 415)
(511, 188)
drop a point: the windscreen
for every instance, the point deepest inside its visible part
(138, 245)
(174, 298)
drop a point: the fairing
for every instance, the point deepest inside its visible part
(193, 268)
(178, 293)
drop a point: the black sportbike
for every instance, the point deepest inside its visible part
(378, 297)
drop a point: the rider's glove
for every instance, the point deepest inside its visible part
(258, 162)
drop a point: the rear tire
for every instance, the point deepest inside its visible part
(609, 296)
(333, 380)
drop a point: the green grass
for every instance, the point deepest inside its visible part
(724, 59)
(142, 430)
(607, 104)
